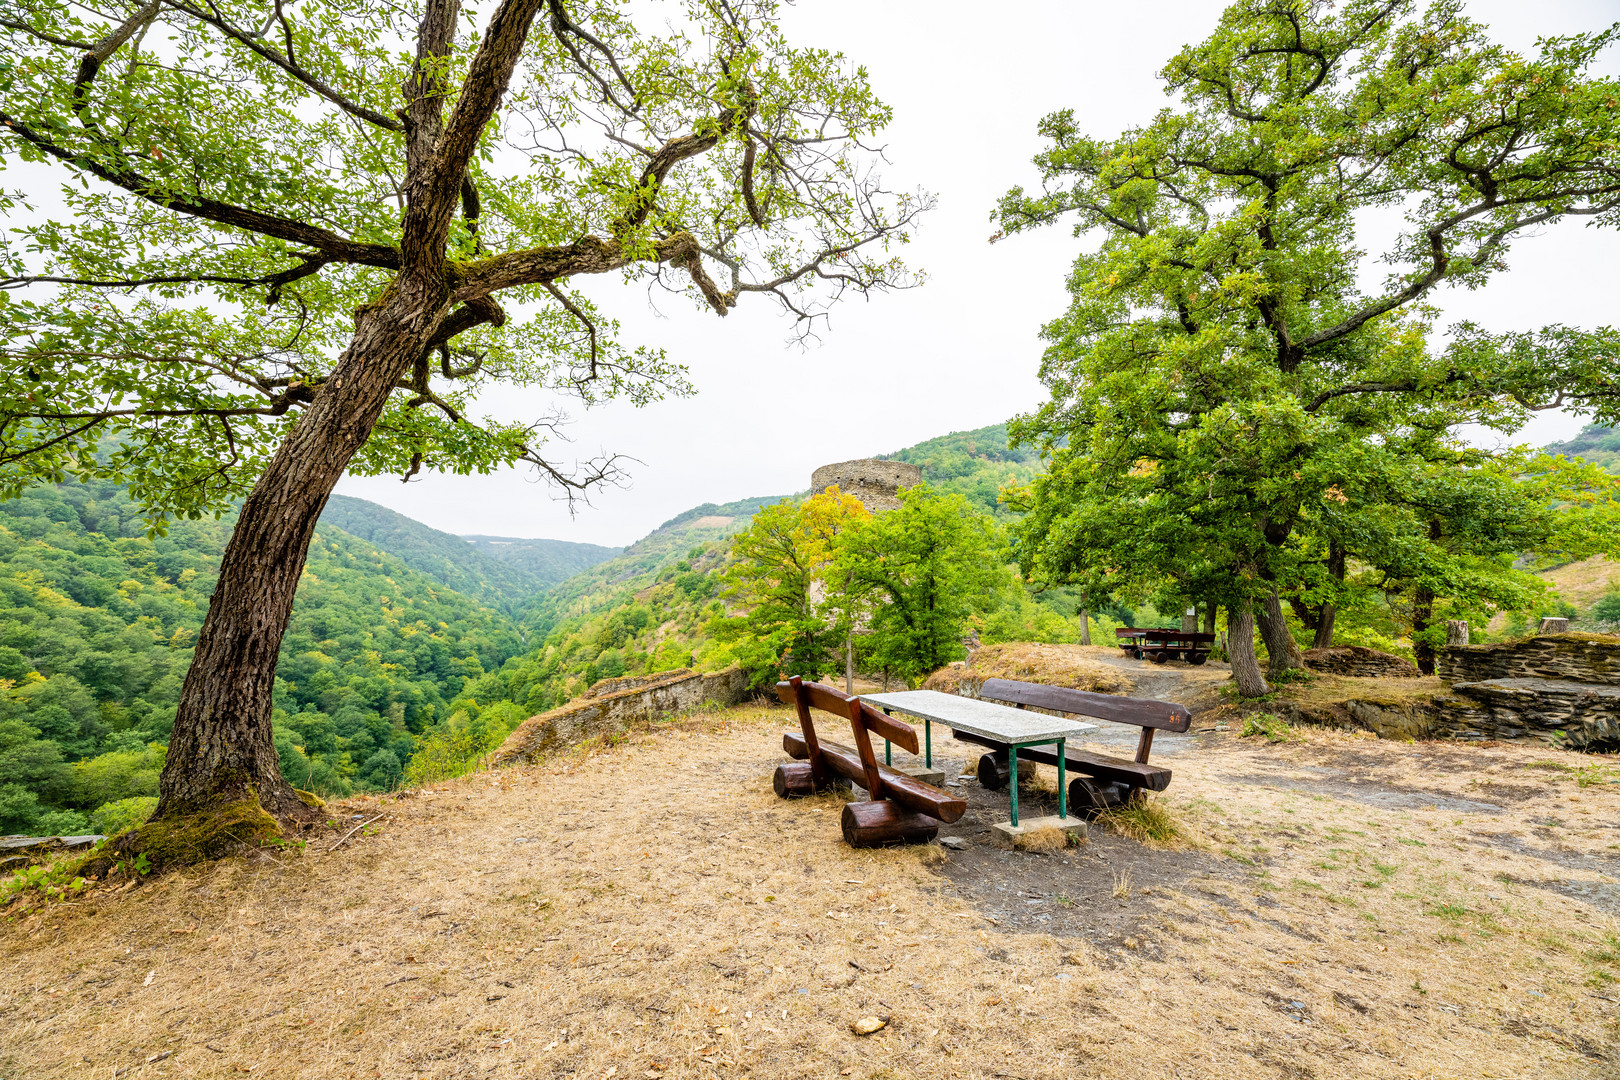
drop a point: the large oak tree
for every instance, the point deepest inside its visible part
(1239, 409)
(295, 238)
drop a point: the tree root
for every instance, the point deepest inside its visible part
(188, 838)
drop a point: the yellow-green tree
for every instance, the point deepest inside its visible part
(788, 625)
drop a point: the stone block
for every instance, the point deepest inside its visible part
(923, 773)
(1037, 833)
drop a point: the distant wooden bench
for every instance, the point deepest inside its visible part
(900, 808)
(1104, 781)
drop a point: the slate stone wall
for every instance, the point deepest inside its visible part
(1581, 658)
(618, 710)
(1562, 689)
(1360, 662)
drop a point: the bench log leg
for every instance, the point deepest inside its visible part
(872, 824)
(1089, 797)
(793, 780)
(993, 771)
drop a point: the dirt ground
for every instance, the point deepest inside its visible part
(1347, 908)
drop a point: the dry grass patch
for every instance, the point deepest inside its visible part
(1586, 582)
(1149, 821)
(1073, 666)
(652, 908)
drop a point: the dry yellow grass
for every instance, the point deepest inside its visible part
(1586, 582)
(1074, 666)
(652, 909)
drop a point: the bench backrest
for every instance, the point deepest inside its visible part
(862, 717)
(1142, 712)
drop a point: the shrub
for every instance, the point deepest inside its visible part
(113, 818)
(1272, 726)
(455, 748)
(118, 776)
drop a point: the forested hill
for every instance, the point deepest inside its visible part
(403, 656)
(470, 565)
(1599, 445)
(97, 624)
(976, 464)
(549, 561)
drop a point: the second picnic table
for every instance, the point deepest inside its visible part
(1164, 643)
(1014, 727)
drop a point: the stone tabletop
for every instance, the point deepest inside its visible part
(984, 718)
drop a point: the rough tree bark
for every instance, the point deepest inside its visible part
(1329, 611)
(1240, 649)
(1422, 619)
(221, 752)
(1423, 615)
(1282, 651)
(1085, 627)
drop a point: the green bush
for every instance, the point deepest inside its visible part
(1272, 726)
(118, 776)
(113, 818)
(1607, 609)
(458, 746)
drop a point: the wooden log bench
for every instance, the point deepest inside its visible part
(899, 808)
(1102, 781)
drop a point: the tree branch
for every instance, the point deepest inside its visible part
(286, 63)
(336, 248)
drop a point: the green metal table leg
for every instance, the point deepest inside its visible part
(1063, 786)
(1012, 764)
(888, 753)
(928, 742)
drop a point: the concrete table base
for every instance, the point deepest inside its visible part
(923, 773)
(1006, 835)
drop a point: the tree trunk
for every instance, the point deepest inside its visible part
(1240, 648)
(1282, 651)
(1324, 628)
(1085, 627)
(849, 663)
(1189, 621)
(220, 752)
(1422, 617)
(1210, 610)
(1330, 610)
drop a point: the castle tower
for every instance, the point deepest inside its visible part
(873, 481)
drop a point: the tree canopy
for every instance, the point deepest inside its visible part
(303, 242)
(1237, 413)
(236, 186)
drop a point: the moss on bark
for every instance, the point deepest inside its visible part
(188, 838)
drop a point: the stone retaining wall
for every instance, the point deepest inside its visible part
(1575, 716)
(1361, 662)
(618, 710)
(1581, 658)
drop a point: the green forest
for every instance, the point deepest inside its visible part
(412, 651)
(408, 646)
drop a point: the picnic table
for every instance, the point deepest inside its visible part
(1015, 728)
(1164, 643)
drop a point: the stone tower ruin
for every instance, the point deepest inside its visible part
(873, 481)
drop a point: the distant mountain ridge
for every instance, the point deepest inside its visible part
(551, 561)
(1596, 444)
(460, 563)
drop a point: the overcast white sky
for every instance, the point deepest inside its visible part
(968, 84)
